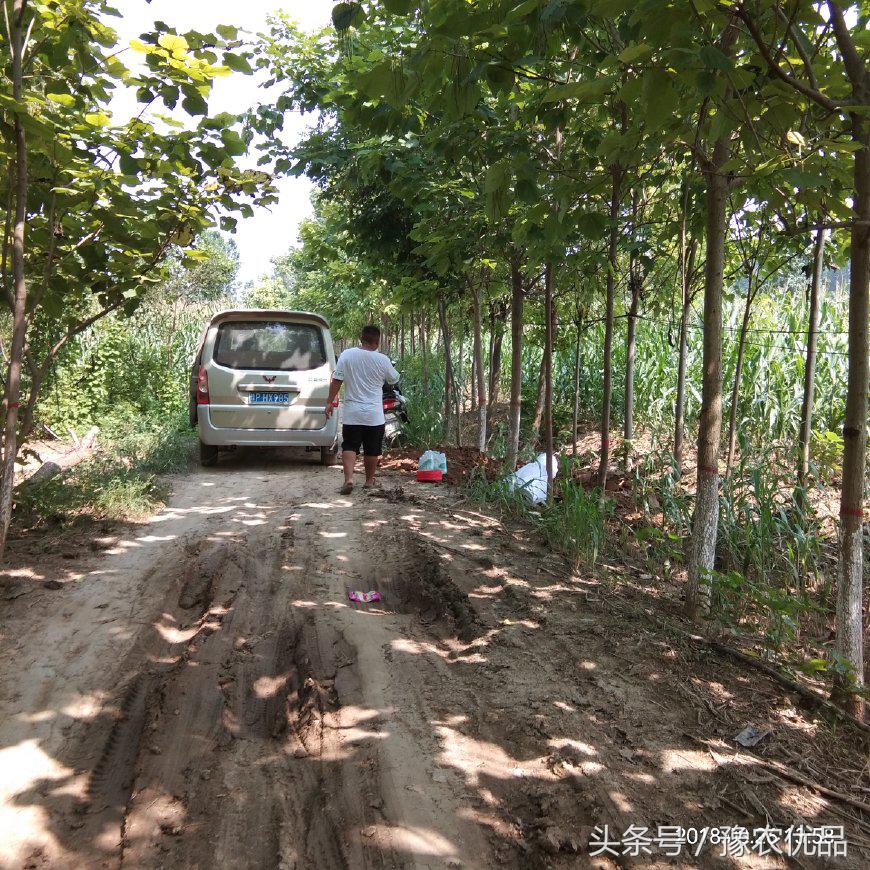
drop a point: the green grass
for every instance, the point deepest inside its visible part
(122, 481)
(575, 523)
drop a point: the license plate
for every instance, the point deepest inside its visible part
(270, 398)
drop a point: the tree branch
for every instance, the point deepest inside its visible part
(809, 92)
(808, 65)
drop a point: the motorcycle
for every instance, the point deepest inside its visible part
(395, 413)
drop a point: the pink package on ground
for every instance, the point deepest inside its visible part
(364, 597)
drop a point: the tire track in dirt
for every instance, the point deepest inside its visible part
(231, 707)
(422, 818)
(263, 717)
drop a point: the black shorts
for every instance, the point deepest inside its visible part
(370, 438)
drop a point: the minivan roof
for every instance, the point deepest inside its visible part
(240, 313)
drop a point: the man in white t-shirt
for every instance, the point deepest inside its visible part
(363, 371)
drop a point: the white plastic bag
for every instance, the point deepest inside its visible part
(532, 478)
(432, 460)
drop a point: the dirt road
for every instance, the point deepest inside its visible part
(204, 694)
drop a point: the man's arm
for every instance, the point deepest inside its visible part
(335, 384)
(392, 376)
(334, 387)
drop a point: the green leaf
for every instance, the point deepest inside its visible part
(346, 15)
(659, 99)
(194, 103)
(713, 58)
(611, 8)
(588, 91)
(842, 146)
(97, 119)
(388, 81)
(630, 92)
(463, 98)
(176, 45)
(398, 7)
(234, 145)
(498, 176)
(497, 188)
(62, 99)
(129, 165)
(526, 190)
(238, 63)
(634, 52)
(227, 31)
(500, 77)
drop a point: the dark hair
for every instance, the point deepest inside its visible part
(370, 335)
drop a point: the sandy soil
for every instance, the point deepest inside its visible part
(198, 691)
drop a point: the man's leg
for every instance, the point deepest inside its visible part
(351, 442)
(371, 466)
(373, 444)
(348, 461)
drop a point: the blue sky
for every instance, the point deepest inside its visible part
(270, 232)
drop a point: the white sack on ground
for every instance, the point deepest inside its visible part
(532, 478)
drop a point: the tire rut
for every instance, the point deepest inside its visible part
(228, 740)
(419, 584)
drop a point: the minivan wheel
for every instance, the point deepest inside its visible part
(208, 454)
(328, 456)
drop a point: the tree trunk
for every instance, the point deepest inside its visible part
(576, 408)
(705, 522)
(480, 374)
(513, 442)
(738, 372)
(680, 410)
(459, 389)
(19, 286)
(685, 311)
(82, 450)
(850, 641)
(635, 282)
(608, 330)
(402, 340)
(810, 365)
(497, 344)
(538, 421)
(448, 368)
(630, 351)
(385, 335)
(411, 336)
(424, 349)
(548, 377)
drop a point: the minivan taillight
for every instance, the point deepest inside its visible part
(202, 387)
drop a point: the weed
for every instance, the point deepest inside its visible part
(120, 481)
(498, 494)
(576, 521)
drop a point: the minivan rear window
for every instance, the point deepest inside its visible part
(269, 344)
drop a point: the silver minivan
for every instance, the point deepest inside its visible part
(261, 378)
